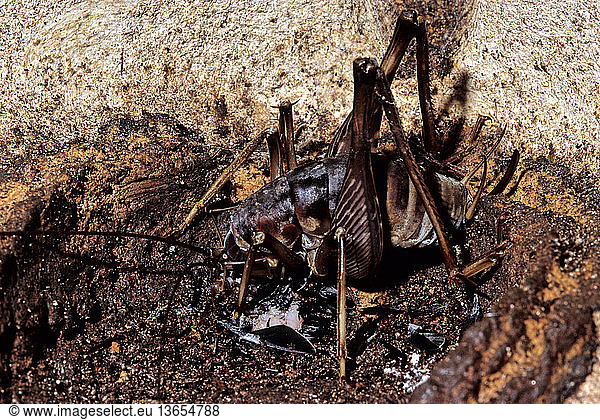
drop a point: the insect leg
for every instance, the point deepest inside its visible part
(248, 265)
(406, 27)
(510, 171)
(471, 210)
(508, 174)
(474, 135)
(200, 206)
(357, 209)
(456, 272)
(342, 353)
(281, 146)
(260, 239)
(286, 133)
(404, 31)
(490, 258)
(500, 186)
(430, 137)
(387, 99)
(341, 138)
(276, 158)
(284, 254)
(499, 134)
(476, 131)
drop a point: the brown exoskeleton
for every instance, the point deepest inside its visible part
(337, 207)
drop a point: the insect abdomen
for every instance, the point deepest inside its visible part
(303, 201)
(409, 223)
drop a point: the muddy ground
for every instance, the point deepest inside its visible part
(101, 319)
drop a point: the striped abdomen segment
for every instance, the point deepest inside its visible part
(358, 213)
(409, 223)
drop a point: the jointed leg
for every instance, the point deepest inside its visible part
(341, 138)
(406, 28)
(286, 133)
(510, 171)
(281, 155)
(490, 258)
(403, 33)
(474, 135)
(430, 137)
(416, 177)
(500, 134)
(284, 254)
(471, 210)
(341, 301)
(200, 206)
(463, 273)
(248, 266)
(276, 158)
(500, 186)
(260, 239)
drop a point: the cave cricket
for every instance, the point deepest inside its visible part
(342, 210)
(351, 204)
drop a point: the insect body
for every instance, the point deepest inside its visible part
(354, 202)
(298, 207)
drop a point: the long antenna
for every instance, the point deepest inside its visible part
(111, 234)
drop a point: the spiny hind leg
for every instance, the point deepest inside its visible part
(404, 32)
(455, 271)
(387, 100)
(434, 145)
